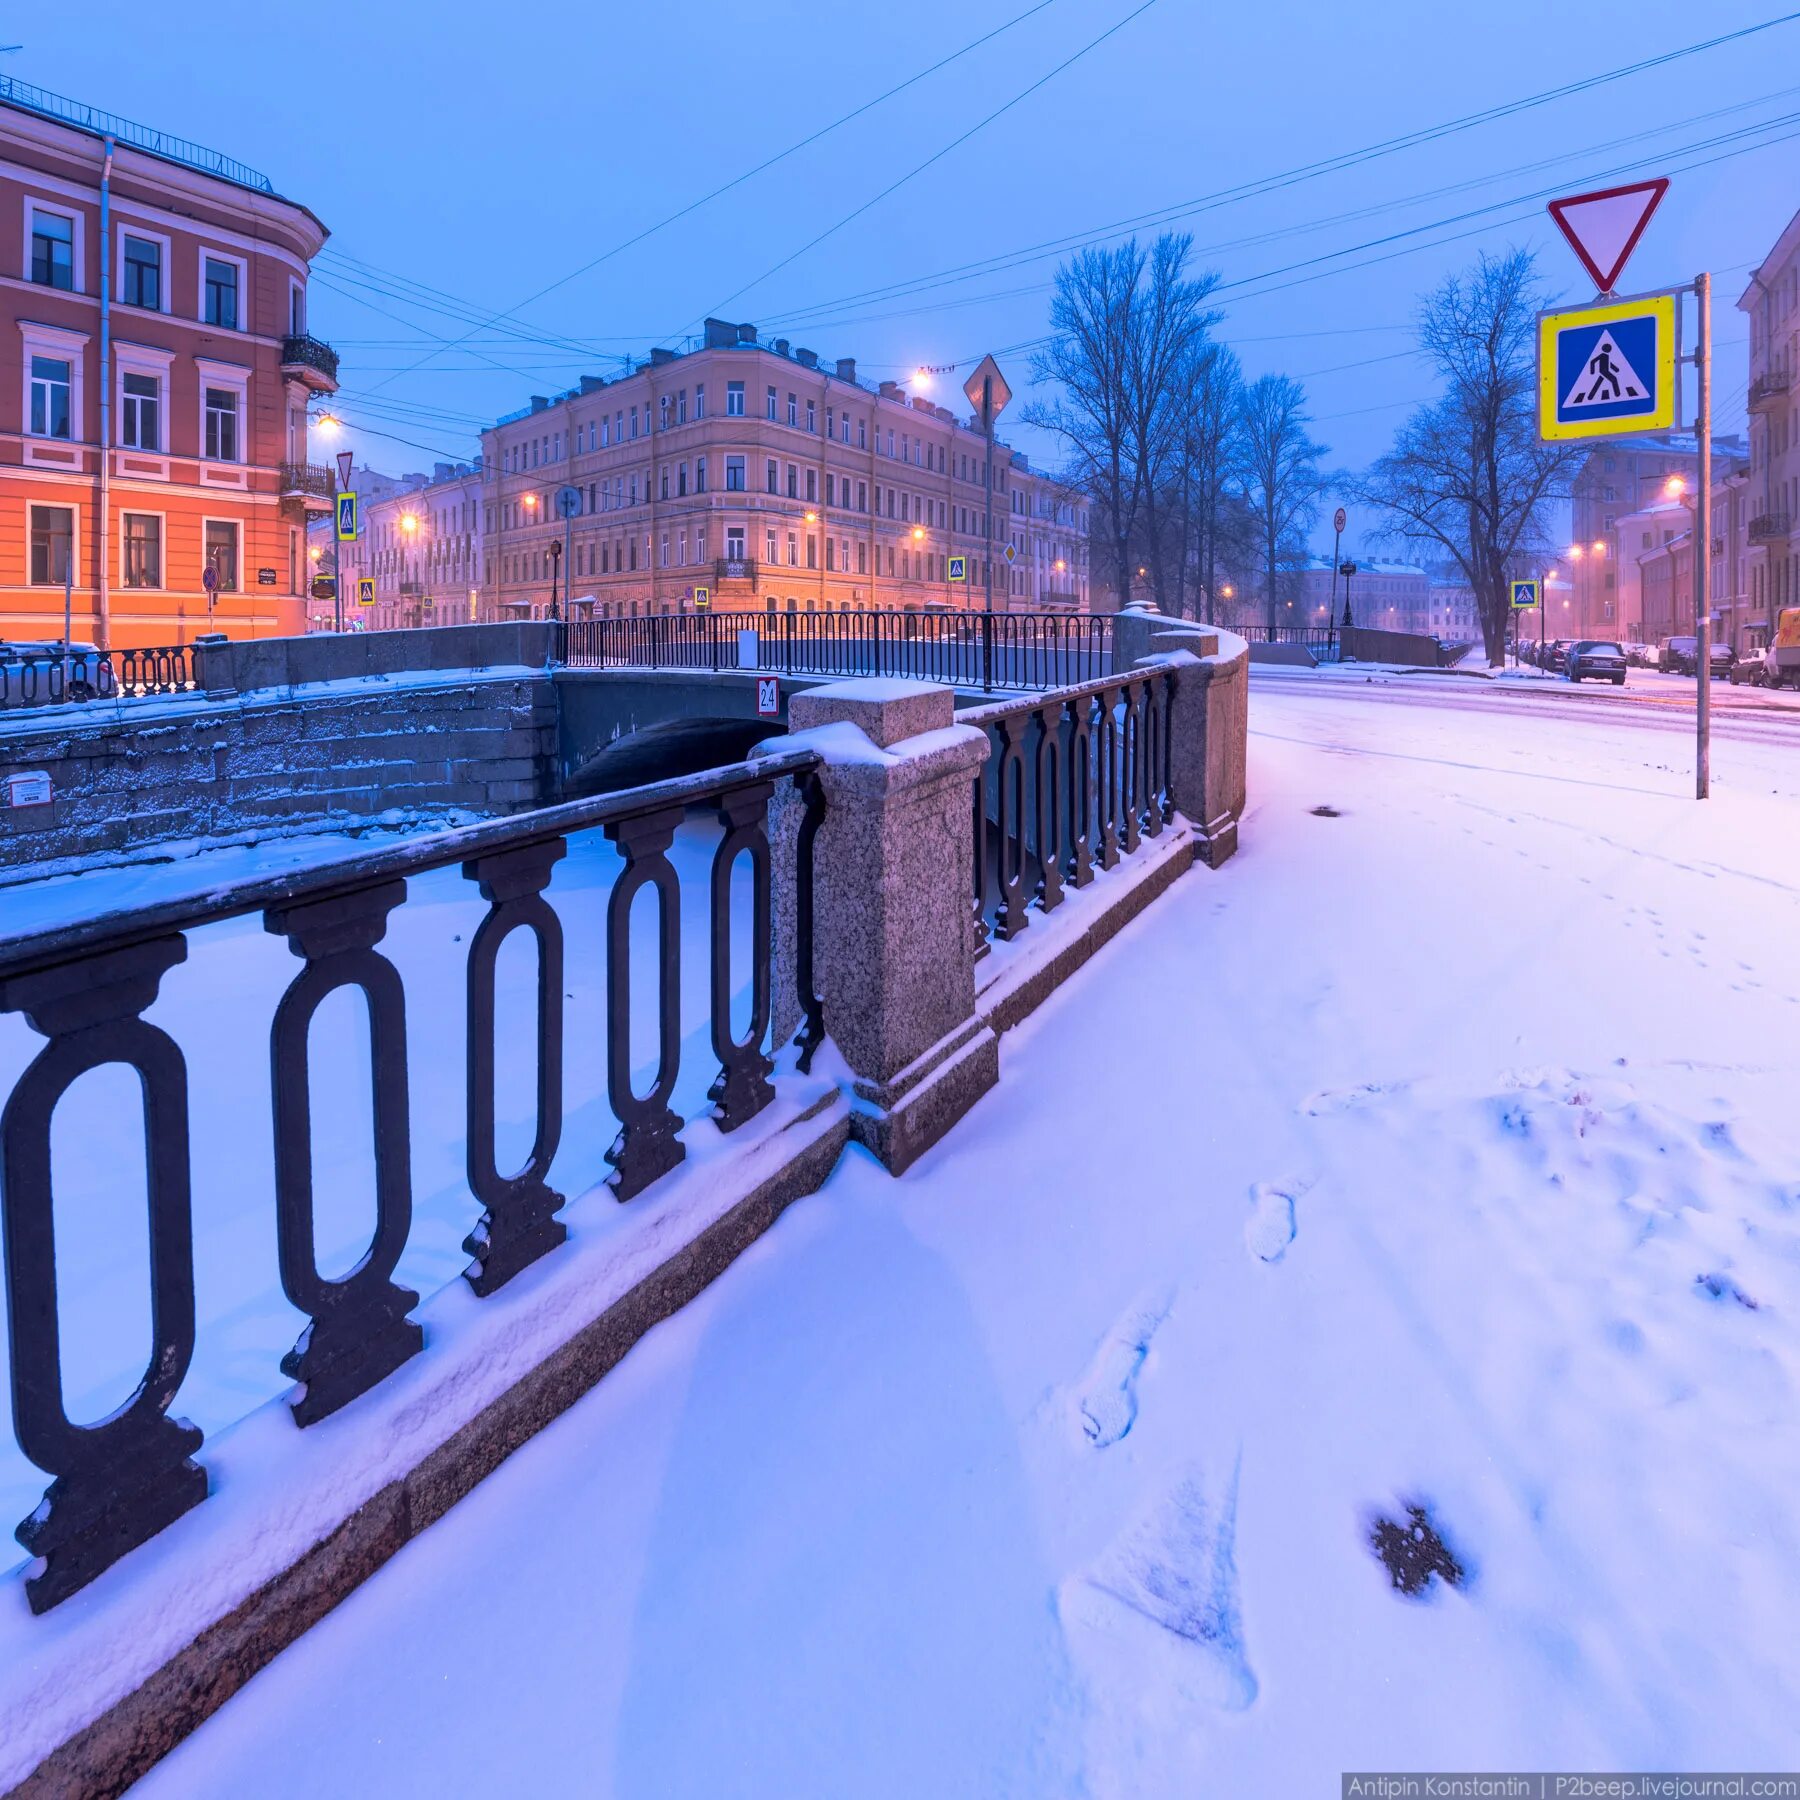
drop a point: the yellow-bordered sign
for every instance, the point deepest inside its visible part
(957, 569)
(1524, 594)
(365, 590)
(1607, 370)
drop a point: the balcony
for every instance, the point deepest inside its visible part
(314, 363)
(1768, 528)
(1768, 391)
(1061, 597)
(308, 483)
(735, 568)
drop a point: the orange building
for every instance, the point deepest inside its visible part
(155, 373)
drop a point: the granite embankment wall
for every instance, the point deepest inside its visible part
(291, 733)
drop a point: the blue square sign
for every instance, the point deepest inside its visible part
(1607, 369)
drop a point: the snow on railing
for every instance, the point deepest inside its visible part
(86, 988)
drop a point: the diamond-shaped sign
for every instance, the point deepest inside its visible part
(987, 390)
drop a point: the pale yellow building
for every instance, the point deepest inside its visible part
(753, 476)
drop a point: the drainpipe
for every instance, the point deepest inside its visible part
(103, 588)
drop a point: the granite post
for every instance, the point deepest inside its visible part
(893, 928)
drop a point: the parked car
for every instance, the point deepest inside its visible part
(1678, 655)
(1555, 655)
(1596, 658)
(1784, 653)
(1752, 669)
(1641, 656)
(1722, 656)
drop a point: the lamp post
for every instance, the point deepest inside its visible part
(1339, 520)
(530, 504)
(556, 551)
(409, 525)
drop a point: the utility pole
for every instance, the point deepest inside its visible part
(989, 394)
(1339, 520)
(1703, 546)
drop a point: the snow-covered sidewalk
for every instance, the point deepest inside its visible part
(1440, 1152)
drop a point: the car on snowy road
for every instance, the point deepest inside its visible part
(1595, 659)
(1678, 655)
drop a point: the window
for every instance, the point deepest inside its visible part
(734, 399)
(681, 480)
(734, 474)
(830, 488)
(221, 279)
(681, 407)
(812, 486)
(770, 402)
(52, 251)
(143, 273)
(662, 414)
(862, 557)
(769, 554)
(141, 416)
(700, 475)
(793, 482)
(699, 399)
(793, 409)
(862, 499)
(143, 550)
(812, 416)
(734, 543)
(772, 476)
(222, 553)
(52, 384)
(221, 424)
(862, 434)
(52, 545)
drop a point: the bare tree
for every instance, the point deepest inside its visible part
(1124, 322)
(1467, 473)
(1212, 456)
(1282, 477)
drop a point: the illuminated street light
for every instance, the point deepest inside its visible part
(409, 523)
(918, 532)
(1060, 565)
(812, 518)
(921, 377)
(329, 424)
(1674, 487)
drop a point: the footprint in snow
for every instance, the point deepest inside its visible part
(1159, 1612)
(1106, 1399)
(1718, 1287)
(1270, 1227)
(1335, 1100)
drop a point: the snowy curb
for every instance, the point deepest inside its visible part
(279, 1493)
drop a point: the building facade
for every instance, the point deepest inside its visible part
(752, 476)
(1391, 596)
(420, 541)
(154, 384)
(1771, 303)
(1623, 478)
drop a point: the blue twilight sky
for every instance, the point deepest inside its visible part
(487, 152)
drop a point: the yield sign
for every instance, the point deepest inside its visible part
(1604, 228)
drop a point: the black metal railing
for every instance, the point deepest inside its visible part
(1768, 528)
(1768, 391)
(1322, 640)
(307, 478)
(298, 351)
(735, 568)
(989, 651)
(46, 677)
(119, 1480)
(1073, 782)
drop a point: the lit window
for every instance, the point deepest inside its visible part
(52, 545)
(143, 550)
(222, 553)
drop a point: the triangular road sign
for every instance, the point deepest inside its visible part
(1606, 378)
(1603, 228)
(987, 385)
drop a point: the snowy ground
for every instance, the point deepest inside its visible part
(1440, 1151)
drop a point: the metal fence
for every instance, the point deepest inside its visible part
(48, 677)
(989, 651)
(116, 1482)
(1073, 782)
(1321, 640)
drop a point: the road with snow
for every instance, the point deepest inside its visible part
(1440, 1152)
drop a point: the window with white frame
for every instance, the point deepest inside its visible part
(142, 272)
(221, 544)
(141, 549)
(52, 554)
(52, 396)
(224, 419)
(53, 248)
(140, 411)
(222, 283)
(734, 399)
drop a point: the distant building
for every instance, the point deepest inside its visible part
(1393, 596)
(774, 481)
(420, 542)
(1622, 477)
(1771, 302)
(158, 425)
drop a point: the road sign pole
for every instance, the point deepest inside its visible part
(1703, 546)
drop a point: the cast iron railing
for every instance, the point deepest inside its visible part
(981, 650)
(1073, 782)
(85, 988)
(299, 351)
(34, 677)
(1321, 640)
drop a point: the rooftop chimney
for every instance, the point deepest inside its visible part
(808, 358)
(846, 368)
(746, 334)
(892, 390)
(659, 357)
(781, 346)
(718, 334)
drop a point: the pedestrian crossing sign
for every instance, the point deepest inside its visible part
(702, 598)
(1524, 594)
(346, 518)
(958, 569)
(1603, 370)
(365, 590)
